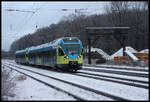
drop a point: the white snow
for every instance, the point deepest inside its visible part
(50, 44)
(122, 70)
(108, 87)
(77, 91)
(144, 51)
(131, 55)
(53, 43)
(30, 89)
(20, 51)
(120, 52)
(122, 66)
(105, 86)
(117, 75)
(132, 50)
(113, 79)
(129, 50)
(101, 52)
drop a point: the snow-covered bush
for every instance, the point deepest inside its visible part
(7, 83)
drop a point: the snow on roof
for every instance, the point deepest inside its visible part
(53, 43)
(39, 46)
(144, 51)
(101, 52)
(128, 48)
(131, 55)
(120, 52)
(21, 51)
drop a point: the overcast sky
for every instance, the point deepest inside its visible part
(16, 24)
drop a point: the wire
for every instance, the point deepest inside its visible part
(37, 9)
(20, 23)
(31, 17)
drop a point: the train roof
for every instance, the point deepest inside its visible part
(43, 47)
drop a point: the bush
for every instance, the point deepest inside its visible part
(8, 84)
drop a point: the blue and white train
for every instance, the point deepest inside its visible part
(63, 53)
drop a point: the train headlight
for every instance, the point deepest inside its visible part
(66, 57)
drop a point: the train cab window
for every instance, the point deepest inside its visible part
(60, 52)
(70, 40)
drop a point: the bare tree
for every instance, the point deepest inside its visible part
(117, 12)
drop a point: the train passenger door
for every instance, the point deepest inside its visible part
(26, 58)
(60, 56)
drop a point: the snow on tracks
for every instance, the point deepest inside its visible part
(81, 91)
(115, 89)
(116, 71)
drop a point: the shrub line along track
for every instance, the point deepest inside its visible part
(76, 85)
(118, 72)
(116, 81)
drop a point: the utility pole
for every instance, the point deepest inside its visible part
(89, 50)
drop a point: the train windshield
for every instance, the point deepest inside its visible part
(70, 40)
(72, 48)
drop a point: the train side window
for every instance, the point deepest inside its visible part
(82, 52)
(60, 52)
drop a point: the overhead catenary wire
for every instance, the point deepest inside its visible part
(37, 9)
(31, 17)
(20, 23)
(26, 21)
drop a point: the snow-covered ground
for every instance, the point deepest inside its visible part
(125, 91)
(29, 89)
(80, 92)
(117, 75)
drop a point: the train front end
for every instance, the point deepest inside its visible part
(70, 54)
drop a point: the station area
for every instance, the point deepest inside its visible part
(131, 56)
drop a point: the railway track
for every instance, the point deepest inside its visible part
(132, 69)
(50, 85)
(128, 81)
(125, 81)
(69, 83)
(117, 72)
